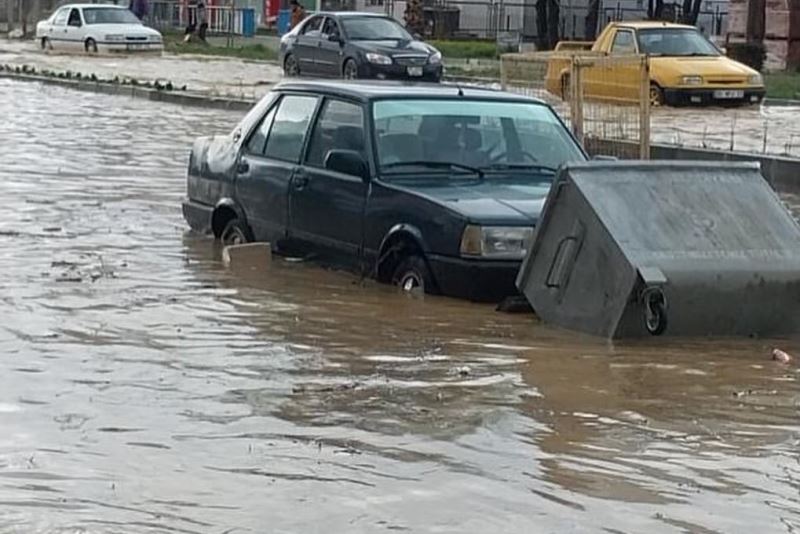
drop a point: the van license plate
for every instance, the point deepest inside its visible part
(728, 94)
(415, 71)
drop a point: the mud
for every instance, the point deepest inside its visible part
(144, 388)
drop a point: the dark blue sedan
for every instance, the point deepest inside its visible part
(427, 187)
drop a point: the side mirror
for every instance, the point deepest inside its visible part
(347, 162)
(334, 38)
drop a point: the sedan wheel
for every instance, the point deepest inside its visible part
(656, 96)
(235, 233)
(350, 71)
(91, 46)
(46, 44)
(413, 276)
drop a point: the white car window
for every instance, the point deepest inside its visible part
(61, 17)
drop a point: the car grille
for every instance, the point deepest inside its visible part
(136, 38)
(411, 60)
(726, 81)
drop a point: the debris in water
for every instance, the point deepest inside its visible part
(464, 371)
(781, 357)
(248, 255)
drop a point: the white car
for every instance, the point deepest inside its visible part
(96, 28)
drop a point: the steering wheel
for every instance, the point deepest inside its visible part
(500, 156)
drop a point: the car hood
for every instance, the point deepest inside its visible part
(489, 201)
(392, 47)
(705, 66)
(122, 29)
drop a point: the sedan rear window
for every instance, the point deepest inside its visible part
(477, 133)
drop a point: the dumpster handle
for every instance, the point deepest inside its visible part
(655, 310)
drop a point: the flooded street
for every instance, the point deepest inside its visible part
(145, 389)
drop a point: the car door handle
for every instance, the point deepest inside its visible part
(243, 167)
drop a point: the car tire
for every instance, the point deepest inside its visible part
(235, 232)
(413, 275)
(91, 46)
(656, 96)
(46, 44)
(565, 87)
(350, 70)
(291, 68)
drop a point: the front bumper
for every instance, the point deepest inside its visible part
(115, 47)
(430, 73)
(708, 95)
(476, 280)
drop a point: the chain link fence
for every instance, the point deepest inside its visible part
(604, 99)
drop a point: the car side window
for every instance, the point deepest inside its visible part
(74, 17)
(330, 27)
(623, 43)
(258, 140)
(61, 17)
(340, 125)
(313, 26)
(285, 140)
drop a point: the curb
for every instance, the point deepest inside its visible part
(171, 97)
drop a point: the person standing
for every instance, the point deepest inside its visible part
(298, 14)
(139, 8)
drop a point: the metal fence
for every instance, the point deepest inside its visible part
(604, 99)
(222, 19)
(485, 19)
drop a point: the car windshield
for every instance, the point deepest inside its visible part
(478, 138)
(675, 42)
(106, 15)
(374, 29)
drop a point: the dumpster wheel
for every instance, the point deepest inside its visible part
(655, 311)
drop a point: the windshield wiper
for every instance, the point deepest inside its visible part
(435, 165)
(520, 166)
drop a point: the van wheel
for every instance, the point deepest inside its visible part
(236, 232)
(412, 275)
(91, 46)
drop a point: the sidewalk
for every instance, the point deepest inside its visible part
(200, 74)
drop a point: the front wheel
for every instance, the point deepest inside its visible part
(412, 275)
(656, 96)
(236, 232)
(350, 70)
(91, 46)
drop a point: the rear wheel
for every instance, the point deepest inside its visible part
(91, 46)
(350, 70)
(412, 275)
(46, 44)
(290, 66)
(236, 232)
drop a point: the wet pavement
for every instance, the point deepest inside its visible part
(145, 389)
(755, 129)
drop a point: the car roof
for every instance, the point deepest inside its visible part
(351, 14)
(644, 24)
(366, 90)
(82, 6)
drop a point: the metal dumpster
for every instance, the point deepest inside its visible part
(628, 249)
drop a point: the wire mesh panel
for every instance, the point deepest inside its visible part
(604, 99)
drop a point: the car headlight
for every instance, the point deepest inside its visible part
(115, 37)
(378, 59)
(435, 58)
(501, 242)
(691, 80)
(755, 79)
(155, 38)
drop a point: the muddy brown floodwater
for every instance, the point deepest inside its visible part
(144, 389)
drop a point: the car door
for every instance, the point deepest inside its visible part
(56, 31)
(268, 160)
(74, 30)
(615, 79)
(327, 207)
(330, 50)
(307, 43)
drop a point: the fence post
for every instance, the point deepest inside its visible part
(644, 108)
(576, 97)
